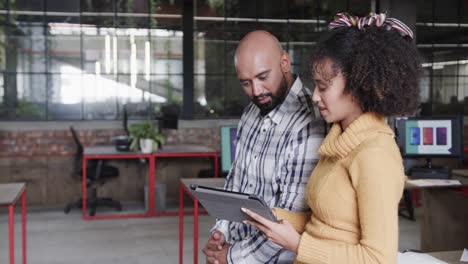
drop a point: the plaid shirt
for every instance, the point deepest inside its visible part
(275, 155)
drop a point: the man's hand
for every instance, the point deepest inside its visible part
(217, 256)
(216, 249)
(216, 242)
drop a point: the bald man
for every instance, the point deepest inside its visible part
(276, 149)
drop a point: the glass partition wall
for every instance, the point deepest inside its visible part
(74, 60)
(442, 38)
(86, 60)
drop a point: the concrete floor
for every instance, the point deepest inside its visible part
(56, 238)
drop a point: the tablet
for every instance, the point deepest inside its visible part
(227, 205)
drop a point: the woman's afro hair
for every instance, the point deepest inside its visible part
(381, 68)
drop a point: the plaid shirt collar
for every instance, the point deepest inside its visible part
(289, 103)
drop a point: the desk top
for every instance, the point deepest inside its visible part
(166, 149)
(452, 257)
(9, 192)
(184, 149)
(106, 150)
(210, 182)
(461, 173)
(461, 178)
(456, 175)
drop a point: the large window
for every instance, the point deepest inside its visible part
(85, 60)
(442, 37)
(218, 27)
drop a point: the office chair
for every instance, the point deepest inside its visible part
(406, 208)
(97, 174)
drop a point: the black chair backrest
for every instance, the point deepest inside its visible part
(79, 147)
(125, 120)
(77, 165)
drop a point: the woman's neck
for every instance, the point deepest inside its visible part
(349, 119)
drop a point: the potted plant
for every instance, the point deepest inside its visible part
(147, 136)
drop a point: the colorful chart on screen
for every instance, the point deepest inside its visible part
(428, 137)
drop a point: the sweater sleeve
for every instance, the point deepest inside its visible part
(378, 179)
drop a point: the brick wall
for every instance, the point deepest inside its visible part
(60, 142)
(44, 160)
(49, 143)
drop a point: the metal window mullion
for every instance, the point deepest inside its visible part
(150, 88)
(225, 59)
(47, 61)
(188, 63)
(459, 14)
(115, 23)
(288, 33)
(81, 63)
(431, 70)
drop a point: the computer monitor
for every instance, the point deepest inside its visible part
(228, 147)
(430, 137)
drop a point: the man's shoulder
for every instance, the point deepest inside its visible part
(303, 116)
(302, 100)
(300, 88)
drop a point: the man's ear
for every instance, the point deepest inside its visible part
(285, 62)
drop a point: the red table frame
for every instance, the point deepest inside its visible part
(152, 179)
(213, 155)
(11, 224)
(182, 189)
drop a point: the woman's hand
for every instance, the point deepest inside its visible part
(282, 233)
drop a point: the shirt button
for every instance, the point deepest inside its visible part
(264, 130)
(250, 185)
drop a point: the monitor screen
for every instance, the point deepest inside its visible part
(430, 136)
(228, 146)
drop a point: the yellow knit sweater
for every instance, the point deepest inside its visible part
(354, 193)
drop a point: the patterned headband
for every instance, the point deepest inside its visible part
(379, 20)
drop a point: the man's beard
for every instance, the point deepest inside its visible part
(275, 99)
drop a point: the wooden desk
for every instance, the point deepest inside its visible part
(445, 216)
(460, 173)
(462, 176)
(451, 257)
(167, 151)
(10, 193)
(184, 186)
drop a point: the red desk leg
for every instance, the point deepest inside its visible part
(23, 223)
(216, 166)
(195, 231)
(83, 190)
(11, 229)
(181, 223)
(152, 185)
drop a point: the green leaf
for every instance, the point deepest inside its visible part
(145, 130)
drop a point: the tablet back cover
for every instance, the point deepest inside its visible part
(227, 205)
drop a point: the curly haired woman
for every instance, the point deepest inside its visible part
(364, 70)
